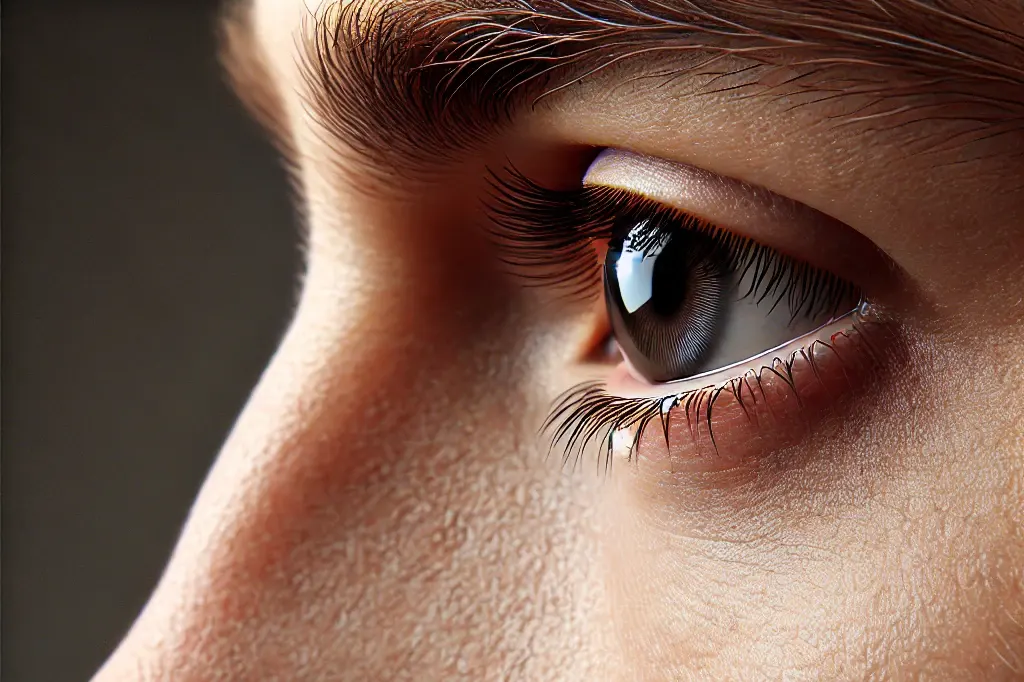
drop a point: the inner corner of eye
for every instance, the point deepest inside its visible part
(600, 346)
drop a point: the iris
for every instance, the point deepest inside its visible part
(667, 293)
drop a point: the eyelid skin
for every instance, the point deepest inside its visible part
(776, 221)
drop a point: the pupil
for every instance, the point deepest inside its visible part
(665, 293)
(670, 283)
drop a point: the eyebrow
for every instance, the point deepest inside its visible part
(399, 83)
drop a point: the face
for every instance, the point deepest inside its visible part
(648, 341)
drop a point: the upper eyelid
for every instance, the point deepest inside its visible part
(364, 61)
(731, 203)
(554, 237)
(748, 210)
(535, 224)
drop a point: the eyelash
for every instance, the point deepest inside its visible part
(587, 413)
(546, 235)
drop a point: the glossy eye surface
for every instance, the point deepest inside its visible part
(685, 297)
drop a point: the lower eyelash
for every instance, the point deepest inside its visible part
(587, 414)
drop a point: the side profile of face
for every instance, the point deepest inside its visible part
(648, 340)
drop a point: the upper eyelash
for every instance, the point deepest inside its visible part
(536, 227)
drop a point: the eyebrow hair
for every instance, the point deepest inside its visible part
(400, 83)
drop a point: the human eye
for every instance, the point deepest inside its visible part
(687, 297)
(717, 295)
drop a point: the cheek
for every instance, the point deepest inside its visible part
(888, 545)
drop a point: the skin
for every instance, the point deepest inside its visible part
(383, 509)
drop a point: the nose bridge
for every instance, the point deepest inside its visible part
(358, 519)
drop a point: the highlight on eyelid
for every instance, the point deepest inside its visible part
(697, 191)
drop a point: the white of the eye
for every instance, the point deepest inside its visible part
(634, 270)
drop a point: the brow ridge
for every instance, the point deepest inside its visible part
(403, 85)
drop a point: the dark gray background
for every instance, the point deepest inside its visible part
(149, 259)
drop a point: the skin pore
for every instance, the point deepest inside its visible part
(384, 508)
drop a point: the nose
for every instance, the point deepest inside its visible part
(377, 512)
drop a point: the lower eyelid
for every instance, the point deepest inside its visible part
(728, 418)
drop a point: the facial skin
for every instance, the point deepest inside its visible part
(384, 508)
